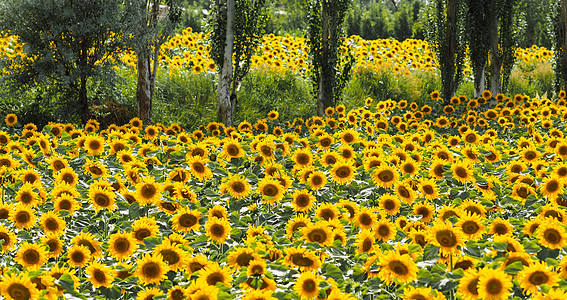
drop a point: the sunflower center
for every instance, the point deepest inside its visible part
(94, 145)
(530, 155)
(51, 224)
(472, 287)
(187, 220)
(244, 259)
(330, 160)
(428, 189)
(68, 177)
(141, 234)
(31, 256)
(26, 197)
(170, 257)
(78, 257)
(215, 277)
(238, 187)
(297, 225)
(18, 291)
(303, 159)
(266, 150)
(217, 230)
(424, 212)
(343, 172)
(23, 217)
(148, 191)
(523, 192)
(365, 219)
(552, 236)
(195, 266)
(398, 267)
(198, 152)
(65, 204)
(552, 186)
(257, 269)
(474, 210)
(151, 270)
(327, 214)
(403, 192)
(389, 204)
(309, 286)
(302, 200)
(316, 180)
(494, 286)
(270, 190)
(198, 167)
(325, 142)
(409, 168)
(500, 229)
(99, 276)
(384, 230)
(446, 238)
(317, 235)
(101, 200)
(461, 172)
(470, 227)
(122, 245)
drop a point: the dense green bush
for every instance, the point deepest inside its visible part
(263, 91)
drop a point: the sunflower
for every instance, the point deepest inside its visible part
(302, 200)
(218, 211)
(390, 204)
(186, 220)
(217, 229)
(539, 273)
(551, 186)
(469, 206)
(329, 158)
(213, 273)
(148, 191)
(8, 239)
(23, 217)
(318, 233)
(151, 269)
(27, 196)
(316, 180)
(232, 149)
(364, 241)
(494, 284)
(198, 167)
(31, 256)
(30, 176)
(149, 293)
(468, 285)
(425, 210)
(122, 245)
(500, 227)
(327, 211)
(18, 287)
(66, 202)
(397, 267)
(384, 230)
(99, 275)
(446, 236)
(94, 144)
(102, 198)
(256, 267)
(404, 190)
(307, 285)
(462, 172)
(144, 227)
(302, 157)
(78, 255)
(551, 234)
(436, 169)
(343, 172)
(52, 223)
(471, 225)
(241, 257)
(173, 255)
(271, 190)
(296, 223)
(365, 218)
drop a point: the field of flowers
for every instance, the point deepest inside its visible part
(390, 200)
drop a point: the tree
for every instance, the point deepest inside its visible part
(448, 38)
(325, 37)
(560, 43)
(67, 42)
(478, 37)
(149, 24)
(235, 30)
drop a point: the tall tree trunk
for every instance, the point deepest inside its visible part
(225, 109)
(479, 82)
(449, 87)
(144, 90)
(495, 57)
(83, 100)
(564, 36)
(325, 95)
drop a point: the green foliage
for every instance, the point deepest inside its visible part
(385, 85)
(287, 16)
(532, 79)
(558, 20)
(187, 99)
(263, 91)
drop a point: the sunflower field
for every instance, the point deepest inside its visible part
(392, 200)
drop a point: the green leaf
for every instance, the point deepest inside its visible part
(134, 211)
(500, 246)
(414, 248)
(430, 253)
(334, 272)
(66, 282)
(531, 247)
(546, 253)
(514, 268)
(151, 242)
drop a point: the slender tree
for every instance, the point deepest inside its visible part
(235, 31)
(478, 37)
(560, 44)
(325, 37)
(149, 24)
(67, 42)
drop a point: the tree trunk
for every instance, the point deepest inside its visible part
(450, 89)
(564, 36)
(225, 109)
(479, 83)
(325, 95)
(144, 90)
(495, 57)
(83, 100)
